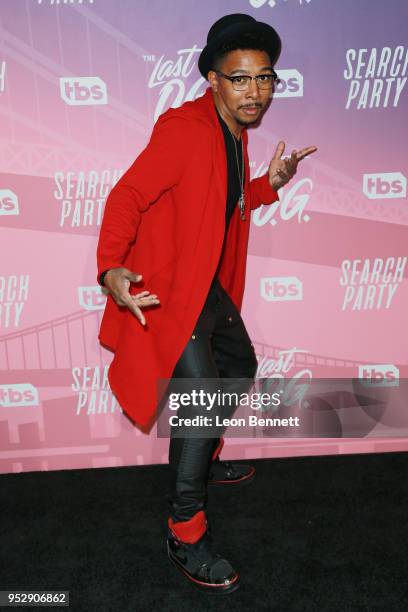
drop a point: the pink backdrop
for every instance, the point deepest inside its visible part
(81, 84)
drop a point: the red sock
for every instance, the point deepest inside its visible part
(189, 531)
(218, 449)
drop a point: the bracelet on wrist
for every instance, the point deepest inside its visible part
(102, 277)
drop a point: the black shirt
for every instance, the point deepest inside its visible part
(233, 182)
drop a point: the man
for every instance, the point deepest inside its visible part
(180, 215)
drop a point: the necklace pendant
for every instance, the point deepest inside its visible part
(242, 206)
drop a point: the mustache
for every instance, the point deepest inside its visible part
(257, 104)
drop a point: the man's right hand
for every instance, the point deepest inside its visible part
(117, 281)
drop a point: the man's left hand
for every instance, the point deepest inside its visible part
(282, 170)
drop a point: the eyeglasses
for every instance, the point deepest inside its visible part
(241, 82)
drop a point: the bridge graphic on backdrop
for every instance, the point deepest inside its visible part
(45, 70)
(56, 150)
(46, 353)
(53, 435)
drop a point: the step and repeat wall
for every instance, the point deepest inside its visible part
(82, 83)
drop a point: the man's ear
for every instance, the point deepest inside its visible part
(213, 80)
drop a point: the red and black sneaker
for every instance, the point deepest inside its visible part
(227, 472)
(206, 570)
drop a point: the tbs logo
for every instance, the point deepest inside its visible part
(18, 395)
(8, 202)
(385, 375)
(92, 298)
(281, 288)
(290, 86)
(77, 91)
(384, 185)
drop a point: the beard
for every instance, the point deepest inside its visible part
(248, 121)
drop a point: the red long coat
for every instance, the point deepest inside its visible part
(173, 199)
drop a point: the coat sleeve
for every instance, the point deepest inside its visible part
(261, 192)
(158, 168)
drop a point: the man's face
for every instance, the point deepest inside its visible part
(244, 106)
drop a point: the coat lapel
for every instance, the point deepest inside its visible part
(220, 165)
(219, 178)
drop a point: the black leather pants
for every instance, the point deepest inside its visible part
(219, 347)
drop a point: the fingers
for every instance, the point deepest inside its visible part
(286, 168)
(138, 301)
(118, 278)
(295, 156)
(291, 164)
(142, 294)
(127, 301)
(119, 285)
(305, 152)
(132, 276)
(145, 299)
(279, 150)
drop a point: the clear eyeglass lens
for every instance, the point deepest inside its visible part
(264, 82)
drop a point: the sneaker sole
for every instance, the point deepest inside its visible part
(243, 479)
(214, 589)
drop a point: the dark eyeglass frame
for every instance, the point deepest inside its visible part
(275, 79)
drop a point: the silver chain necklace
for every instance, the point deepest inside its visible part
(241, 201)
